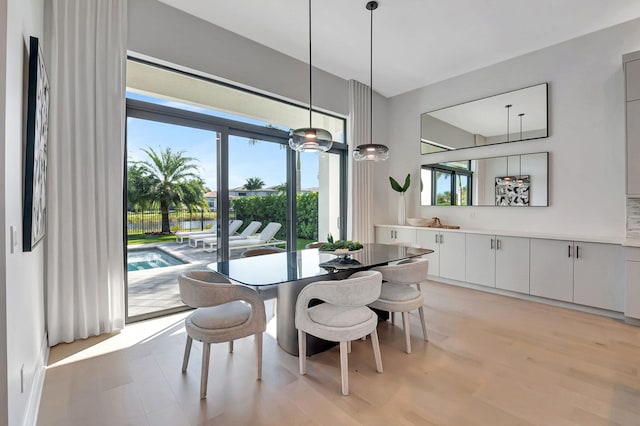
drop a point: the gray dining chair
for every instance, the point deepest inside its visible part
(401, 292)
(225, 312)
(342, 318)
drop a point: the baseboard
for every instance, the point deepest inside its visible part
(33, 404)
(568, 305)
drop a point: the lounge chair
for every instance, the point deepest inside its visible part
(234, 225)
(265, 238)
(248, 232)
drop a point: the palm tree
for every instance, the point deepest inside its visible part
(172, 182)
(253, 184)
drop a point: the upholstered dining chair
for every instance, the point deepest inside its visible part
(225, 312)
(401, 292)
(342, 318)
(262, 251)
(314, 245)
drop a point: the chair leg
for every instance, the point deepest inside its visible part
(407, 332)
(231, 347)
(393, 317)
(302, 351)
(259, 354)
(376, 350)
(187, 351)
(423, 321)
(349, 346)
(344, 368)
(206, 350)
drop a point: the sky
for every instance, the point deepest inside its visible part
(265, 160)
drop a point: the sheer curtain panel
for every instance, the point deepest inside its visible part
(85, 267)
(362, 175)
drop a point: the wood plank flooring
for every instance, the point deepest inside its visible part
(491, 360)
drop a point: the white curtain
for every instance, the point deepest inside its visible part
(362, 174)
(85, 266)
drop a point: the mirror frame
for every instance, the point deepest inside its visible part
(476, 111)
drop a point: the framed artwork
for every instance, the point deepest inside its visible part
(35, 170)
(513, 190)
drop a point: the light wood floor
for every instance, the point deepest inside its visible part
(491, 360)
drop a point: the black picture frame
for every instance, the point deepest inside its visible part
(35, 170)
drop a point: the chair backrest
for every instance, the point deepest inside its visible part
(269, 231)
(208, 288)
(411, 271)
(234, 225)
(359, 289)
(261, 251)
(251, 229)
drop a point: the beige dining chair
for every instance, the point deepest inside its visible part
(401, 292)
(342, 318)
(225, 312)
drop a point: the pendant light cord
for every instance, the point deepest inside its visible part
(371, 81)
(310, 68)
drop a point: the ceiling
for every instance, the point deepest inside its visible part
(415, 42)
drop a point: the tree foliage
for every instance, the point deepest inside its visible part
(167, 179)
(253, 184)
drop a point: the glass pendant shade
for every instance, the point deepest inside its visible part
(310, 140)
(371, 152)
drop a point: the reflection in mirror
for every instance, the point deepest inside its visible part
(508, 117)
(516, 180)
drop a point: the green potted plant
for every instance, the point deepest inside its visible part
(401, 189)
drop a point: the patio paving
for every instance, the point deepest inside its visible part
(156, 289)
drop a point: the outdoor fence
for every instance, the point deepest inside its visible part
(150, 221)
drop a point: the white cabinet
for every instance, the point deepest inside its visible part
(633, 148)
(632, 79)
(632, 297)
(452, 255)
(584, 273)
(481, 259)
(498, 261)
(393, 235)
(598, 276)
(429, 239)
(552, 269)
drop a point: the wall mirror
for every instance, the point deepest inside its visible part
(508, 117)
(511, 181)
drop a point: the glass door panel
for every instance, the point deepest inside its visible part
(257, 193)
(318, 197)
(171, 201)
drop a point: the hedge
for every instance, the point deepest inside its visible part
(272, 208)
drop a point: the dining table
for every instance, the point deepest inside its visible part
(284, 275)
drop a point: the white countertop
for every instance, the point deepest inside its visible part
(631, 242)
(585, 238)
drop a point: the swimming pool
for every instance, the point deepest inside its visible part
(150, 258)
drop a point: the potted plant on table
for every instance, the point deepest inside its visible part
(401, 189)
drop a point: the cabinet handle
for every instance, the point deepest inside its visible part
(577, 252)
(436, 238)
(441, 238)
(498, 244)
(492, 244)
(569, 250)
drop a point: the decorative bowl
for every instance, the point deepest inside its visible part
(419, 221)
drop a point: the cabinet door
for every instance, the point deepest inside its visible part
(385, 235)
(452, 255)
(481, 259)
(512, 264)
(632, 78)
(633, 147)
(632, 298)
(598, 276)
(428, 239)
(405, 236)
(552, 269)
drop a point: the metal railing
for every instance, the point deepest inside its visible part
(150, 221)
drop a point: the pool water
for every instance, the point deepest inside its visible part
(140, 259)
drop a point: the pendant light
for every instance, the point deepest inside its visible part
(371, 151)
(310, 139)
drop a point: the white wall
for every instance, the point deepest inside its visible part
(25, 326)
(586, 143)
